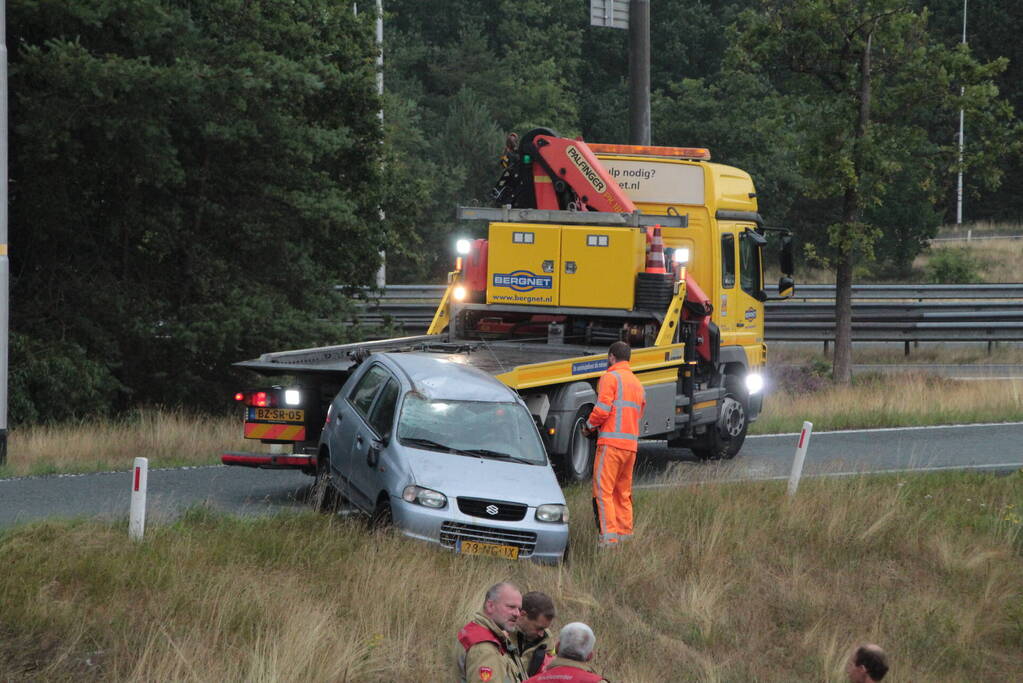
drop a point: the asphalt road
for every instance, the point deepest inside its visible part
(239, 490)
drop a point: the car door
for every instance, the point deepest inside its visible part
(352, 407)
(372, 436)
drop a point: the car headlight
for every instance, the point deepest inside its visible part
(425, 497)
(552, 513)
(754, 382)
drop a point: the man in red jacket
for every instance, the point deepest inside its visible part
(620, 404)
(572, 663)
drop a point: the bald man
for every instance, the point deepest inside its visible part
(867, 664)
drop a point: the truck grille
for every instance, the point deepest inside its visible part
(450, 532)
(492, 509)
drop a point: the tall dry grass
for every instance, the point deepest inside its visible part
(724, 582)
(902, 400)
(167, 438)
(1000, 260)
(894, 354)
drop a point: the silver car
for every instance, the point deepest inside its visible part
(447, 453)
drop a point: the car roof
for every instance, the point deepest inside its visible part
(442, 378)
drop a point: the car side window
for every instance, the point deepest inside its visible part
(366, 390)
(383, 412)
(728, 261)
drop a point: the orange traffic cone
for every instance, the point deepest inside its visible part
(655, 253)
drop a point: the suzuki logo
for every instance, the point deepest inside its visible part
(492, 510)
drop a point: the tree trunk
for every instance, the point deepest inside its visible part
(851, 213)
(842, 369)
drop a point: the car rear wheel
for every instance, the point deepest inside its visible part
(323, 496)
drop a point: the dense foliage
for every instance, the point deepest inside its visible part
(189, 179)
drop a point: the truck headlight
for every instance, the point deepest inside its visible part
(458, 293)
(463, 246)
(754, 382)
(426, 497)
(552, 513)
(293, 397)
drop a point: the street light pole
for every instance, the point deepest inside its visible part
(962, 93)
(5, 270)
(639, 72)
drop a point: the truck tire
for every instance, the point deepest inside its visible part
(323, 495)
(724, 439)
(577, 462)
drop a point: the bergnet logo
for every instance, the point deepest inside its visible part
(523, 281)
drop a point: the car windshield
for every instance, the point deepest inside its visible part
(503, 431)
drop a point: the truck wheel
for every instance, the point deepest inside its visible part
(323, 496)
(577, 462)
(725, 438)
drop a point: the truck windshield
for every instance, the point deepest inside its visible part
(478, 428)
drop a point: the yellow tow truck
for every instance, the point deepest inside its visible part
(588, 244)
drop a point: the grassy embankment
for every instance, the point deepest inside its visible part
(993, 256)
(170, 439)
(725, 582)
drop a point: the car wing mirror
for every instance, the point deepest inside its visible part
(373, 454)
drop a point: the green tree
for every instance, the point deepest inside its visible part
(459, 77)
(863, 80)
(188, 181)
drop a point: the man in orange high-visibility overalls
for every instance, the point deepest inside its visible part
(620, 403)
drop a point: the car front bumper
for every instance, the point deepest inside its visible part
(543, 542)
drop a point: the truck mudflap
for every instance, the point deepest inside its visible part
(270, 461)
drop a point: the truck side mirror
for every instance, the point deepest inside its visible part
(785, 260)
(786, 287)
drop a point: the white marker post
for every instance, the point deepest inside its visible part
(797, 464)
(137, 525)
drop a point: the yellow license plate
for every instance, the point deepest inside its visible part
(280, 414)
(508, 552)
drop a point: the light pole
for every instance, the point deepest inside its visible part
(5, 270)
(639, 72)
(962, 93)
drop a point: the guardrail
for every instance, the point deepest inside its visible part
(880, 313)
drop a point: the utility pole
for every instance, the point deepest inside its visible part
(639, 72)
(5, 269)
(962, 93)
